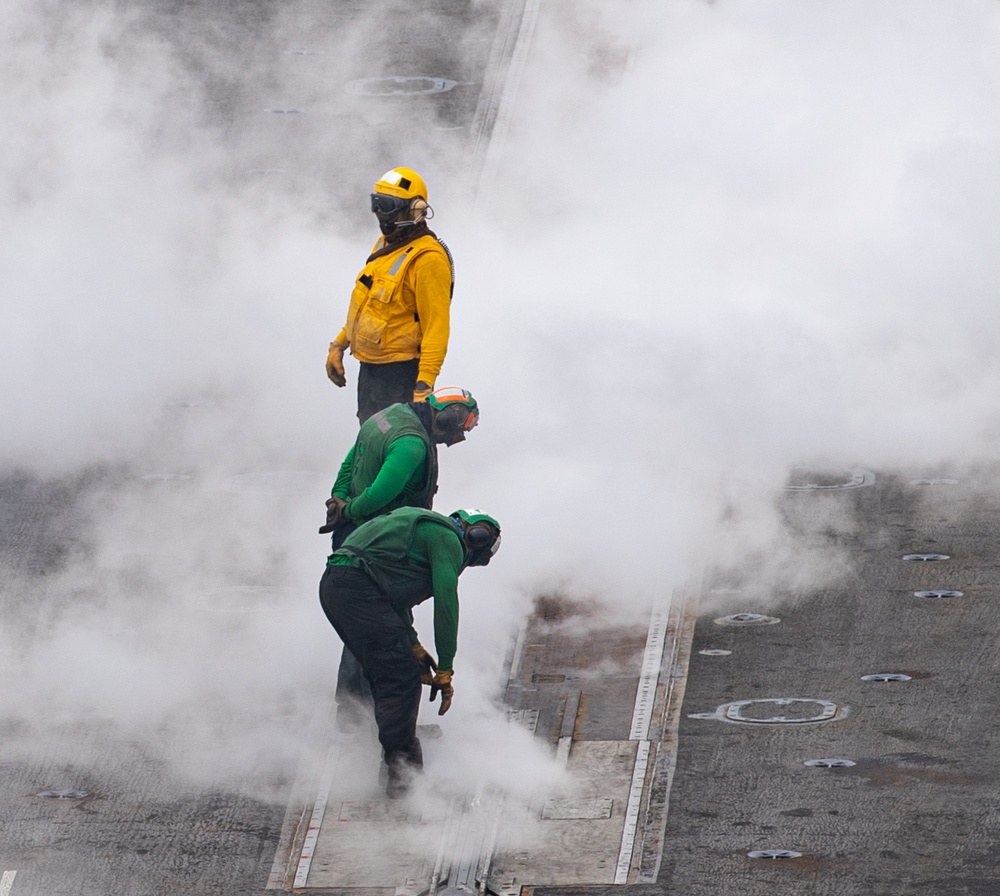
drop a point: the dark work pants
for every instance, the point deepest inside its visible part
(354, 695)
(372, 630)
(380, 385)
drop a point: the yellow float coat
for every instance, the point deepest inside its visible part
(400, 307)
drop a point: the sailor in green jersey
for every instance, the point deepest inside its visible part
(372, 582)
(393, 463)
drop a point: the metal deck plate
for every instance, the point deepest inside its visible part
(376, 844)
(566, 850)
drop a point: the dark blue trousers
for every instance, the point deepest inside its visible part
(373, 631)
(380, 385)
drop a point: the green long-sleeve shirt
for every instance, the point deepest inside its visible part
(403, 468)
(413, 554)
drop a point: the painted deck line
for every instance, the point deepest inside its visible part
(292, 829)
(6, 882)
(518, 654)
(684, 614)
(632, 812)
(493, 118)
(315, 821)
(652, 660)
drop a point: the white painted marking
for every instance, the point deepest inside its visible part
(515, 660)
(632, 812)
(562, 750)
(515, 71)
(666, 751)
(652, 658)
(6, 882)
(645, 697)
(315, 821)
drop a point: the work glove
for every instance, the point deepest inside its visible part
(421, 391)
(442, 682)
(334, 514)
(428, 665)
(335, 364)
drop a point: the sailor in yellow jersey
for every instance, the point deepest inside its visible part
(399, 317)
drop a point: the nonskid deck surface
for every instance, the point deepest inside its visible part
(839, 732)
(762, 731)
(613, 733)
(834, 734)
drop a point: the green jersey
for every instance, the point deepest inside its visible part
(412, 554)
(393, 463)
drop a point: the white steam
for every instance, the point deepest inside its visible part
(725, 239)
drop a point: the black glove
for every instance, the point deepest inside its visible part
(334, 514)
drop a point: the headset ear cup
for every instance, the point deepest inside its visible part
(479, 537)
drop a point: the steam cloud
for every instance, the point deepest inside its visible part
(724, 240)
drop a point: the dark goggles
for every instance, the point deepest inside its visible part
(386, 206)
(458, 417)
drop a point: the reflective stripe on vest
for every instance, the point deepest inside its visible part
(398, 263)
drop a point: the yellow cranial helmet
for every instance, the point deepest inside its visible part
(403, 183)
(400, 200)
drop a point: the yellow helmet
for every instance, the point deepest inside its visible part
(403, 183)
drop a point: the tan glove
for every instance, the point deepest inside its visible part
(334, 514)
(335, 364)
(442, 682)
(428, 665)
(421, 391)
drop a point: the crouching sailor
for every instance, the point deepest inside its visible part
(384, 568)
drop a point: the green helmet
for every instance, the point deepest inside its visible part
(455, 414)
(480, 535)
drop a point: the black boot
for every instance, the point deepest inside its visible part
(402, 768)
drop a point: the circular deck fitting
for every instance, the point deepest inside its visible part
(887, 676)
(774, 854)
(938, 594)
(402, 85)
(789, 711)
(242, 598)
(812, 480)
(63, 794)
(926, 557)
(714, 652)
(933, 482)
(829, 763)
(747, 619)
(804, 709)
